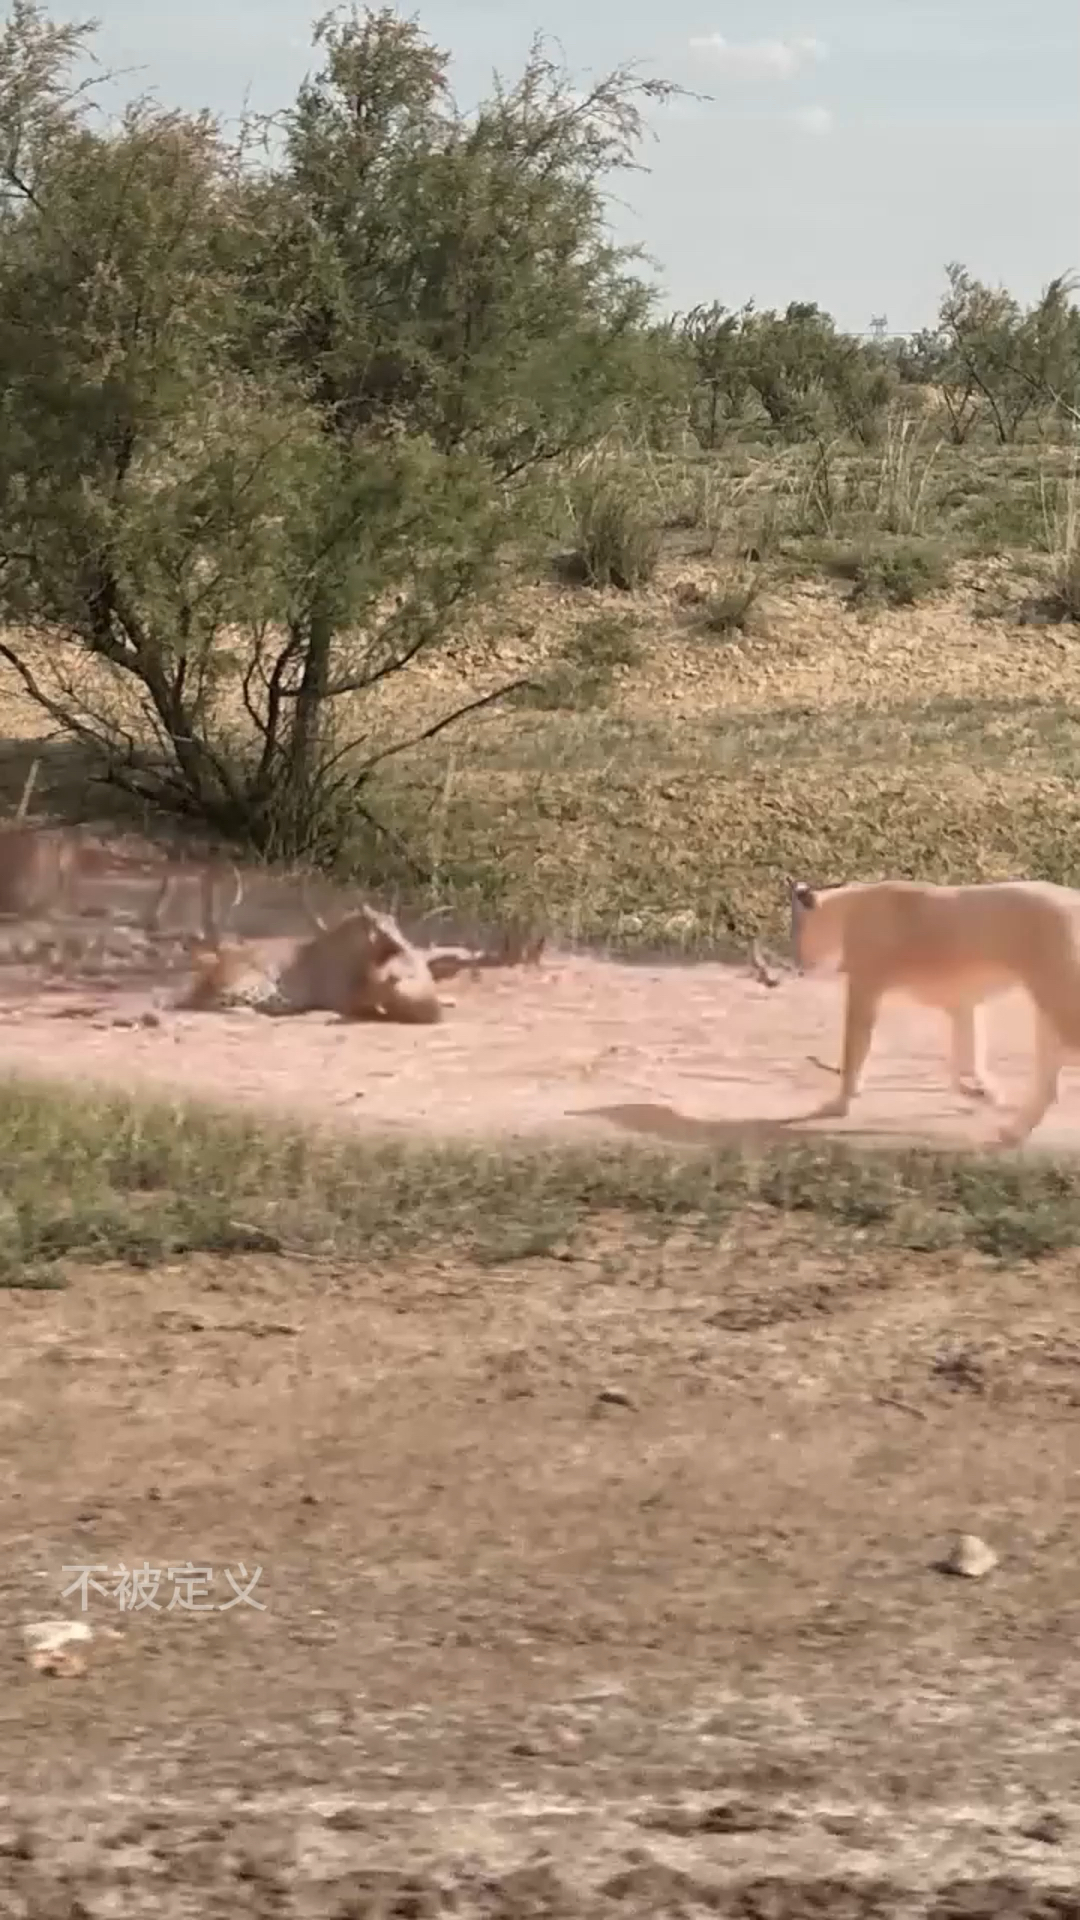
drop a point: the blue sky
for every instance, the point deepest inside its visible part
(850, 147)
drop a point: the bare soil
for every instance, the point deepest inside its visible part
(593, 1585)
(677, 1052)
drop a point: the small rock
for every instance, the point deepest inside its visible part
(613, 1397)
(969, 1557)
(56, 1633)
(345, 1820)
(723, 1816)
(688, 593)
(1050, 1827)
(49, 1644)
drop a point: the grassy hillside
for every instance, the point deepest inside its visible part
(839, 665)
(852, 701)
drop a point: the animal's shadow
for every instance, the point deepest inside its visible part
(658, 1121)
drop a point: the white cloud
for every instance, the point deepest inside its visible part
(759, 59)
(814, 120)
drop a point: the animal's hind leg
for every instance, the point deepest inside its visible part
(860, 1018)
(967, 1054)
(1049, 1060)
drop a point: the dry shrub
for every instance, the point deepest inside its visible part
(616, 521)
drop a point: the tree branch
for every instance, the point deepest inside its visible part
(440, 726)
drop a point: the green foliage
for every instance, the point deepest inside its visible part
(991, 360)
(805, 377)
(272, 427)
(616, 521)
(713, 340)
(452, 275)
(811, 379)
(265, 429)
(890, 572)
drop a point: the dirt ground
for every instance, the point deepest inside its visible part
(579, 1043)
(593, 1585)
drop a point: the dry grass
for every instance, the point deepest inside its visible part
(736, 718)
(923, 740)
(1061, 519)
(94, 1178)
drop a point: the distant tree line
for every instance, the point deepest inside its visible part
(988, 362)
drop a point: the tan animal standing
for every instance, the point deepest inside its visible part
(207, 877)
(952, 948)
(38, 870)
(43, 869)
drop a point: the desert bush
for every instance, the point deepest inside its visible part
(812, 380)
(712, 340)
(615, 518)
(794, 368)
(1061, 523)
(989, 359)
(892, 573)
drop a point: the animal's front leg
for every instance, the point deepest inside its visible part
(1049, 1060)
(860, 1018)
(967, 1054)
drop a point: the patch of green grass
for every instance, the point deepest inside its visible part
(890, 572)
(977, 499)
(94, 1179)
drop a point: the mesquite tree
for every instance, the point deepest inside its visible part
(270, 414)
